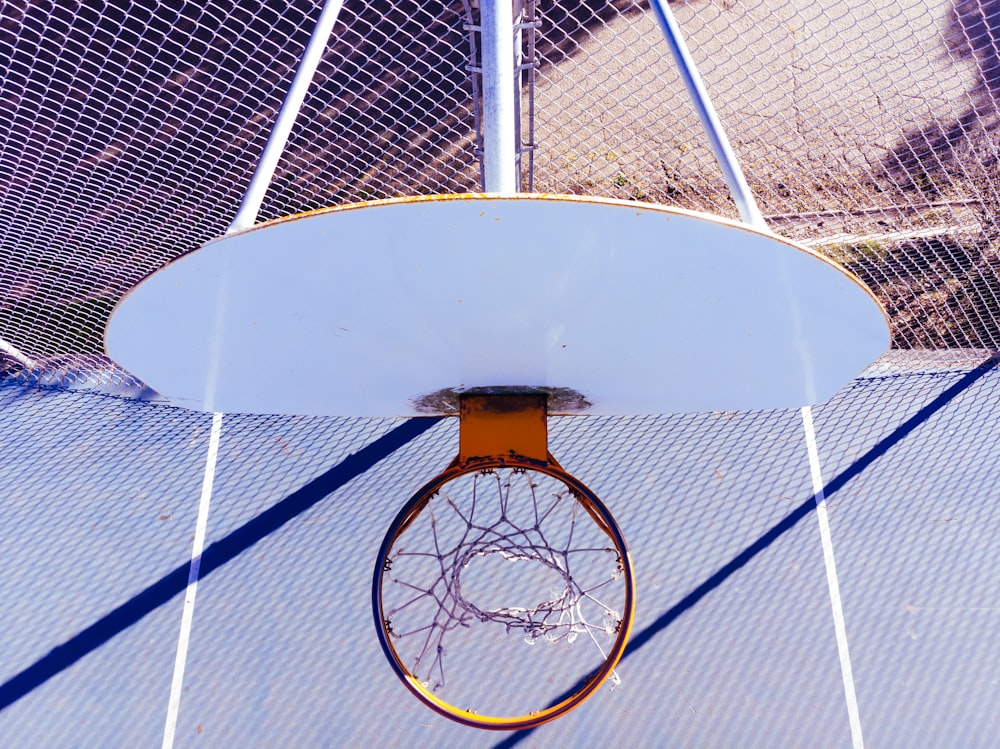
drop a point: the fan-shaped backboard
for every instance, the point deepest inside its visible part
(386, 308)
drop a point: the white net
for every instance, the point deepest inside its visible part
(506, 576)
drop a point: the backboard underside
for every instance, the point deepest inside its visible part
(375, 309)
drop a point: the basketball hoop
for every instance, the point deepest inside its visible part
(503, 592)
(631, 309)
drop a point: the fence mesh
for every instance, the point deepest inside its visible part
(867, 129)
(733, 635)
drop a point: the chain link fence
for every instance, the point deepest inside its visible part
(867, 130)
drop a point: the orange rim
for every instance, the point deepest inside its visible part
(604, 521)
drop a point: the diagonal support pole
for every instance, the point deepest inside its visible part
(246, 216)
(749, 212)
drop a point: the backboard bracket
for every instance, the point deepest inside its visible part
(500, 425)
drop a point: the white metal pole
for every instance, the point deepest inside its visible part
(499, 137)
(19, 356)
(721, 147)
(276, 141)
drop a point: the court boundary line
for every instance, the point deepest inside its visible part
(219, 553)
(191, 592)
(860, 464)
(832, 581)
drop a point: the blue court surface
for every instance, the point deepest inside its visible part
(768, 615)
(825, 577)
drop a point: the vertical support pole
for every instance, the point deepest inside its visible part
(499, 109)
(517, 27)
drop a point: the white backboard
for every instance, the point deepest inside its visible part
(365, 310)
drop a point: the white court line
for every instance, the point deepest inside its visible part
(187, 616)
(839, 626)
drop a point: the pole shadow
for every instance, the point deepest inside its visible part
(226, 549)
(778, 530)
(217, 555)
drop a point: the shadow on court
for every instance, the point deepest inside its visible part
(214, 557)
(904, 430)
(246, 536)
